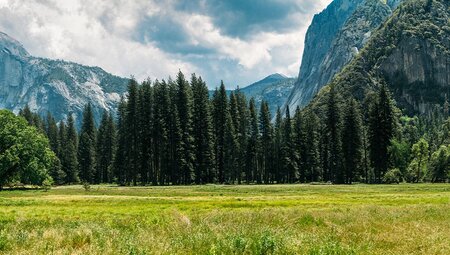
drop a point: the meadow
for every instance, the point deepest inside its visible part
(211, 219)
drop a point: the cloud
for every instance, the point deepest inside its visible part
(243, 19)
(237, 41)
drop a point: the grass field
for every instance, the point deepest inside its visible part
(289, 219)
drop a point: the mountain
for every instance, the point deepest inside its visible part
(54, 86)
(410, 53)
(333, 39)
(274, 89)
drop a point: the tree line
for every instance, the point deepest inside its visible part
(173, 133)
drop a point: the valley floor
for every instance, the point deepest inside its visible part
(277, 219)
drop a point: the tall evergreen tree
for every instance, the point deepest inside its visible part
(51, 130)
(69, 152)
(234, 139)
(299, 146)
(161, 132)
(266, 141)
(252, 164)
(334, 169)
(311, 147)
(220, 112)
(27, 114)
(86, 148)
(61, 140)
(202, 130)
(381, 131)
(131, 129)
(176, 155)
(352, 141)
(289, 156)
(243, 131)
(146, 124)
(58, 174)
(184, 108)
(120, 159)
(106, 140)
(230, 151)
(278, 157)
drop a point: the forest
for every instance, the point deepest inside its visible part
(172, 133)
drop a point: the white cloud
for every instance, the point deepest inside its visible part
(100, 33)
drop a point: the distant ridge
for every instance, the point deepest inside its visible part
(54, 86)
(274, 89)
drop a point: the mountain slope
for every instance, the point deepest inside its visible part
(353, 33)
(274, 89)
(410, 53)
(52, 85)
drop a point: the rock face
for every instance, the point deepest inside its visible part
(58, 87)
(417, 68)
(410, 53)
(334, 38)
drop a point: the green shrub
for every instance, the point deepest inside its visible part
(393, 176)
(86, 186)
(47, 184)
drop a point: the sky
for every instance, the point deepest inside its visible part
(237, 41)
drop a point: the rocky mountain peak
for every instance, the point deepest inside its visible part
(54, 86)
(333, 39)
(10, 46)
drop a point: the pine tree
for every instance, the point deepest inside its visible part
(161, 133)
(230, 151)
(176, 154)
(86, 148)
(278, 157)
(233, 137)
(299, 146)
(61, 140)
(352, 141)
(220, 112)
(243, 131)
(184, 108)
(27, 114)
(381, 131)
(289, 156)
(58, 174)
(146, 133)
(38, 122)
(120, 158)
(33, 119)
(311, 147)
(252, 170)
(266, 141)
(69, 152)
(334, 169)
(132, 139)
(202, 127)
(106, 139)
(51, 130)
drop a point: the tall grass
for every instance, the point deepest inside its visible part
(278, 219)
